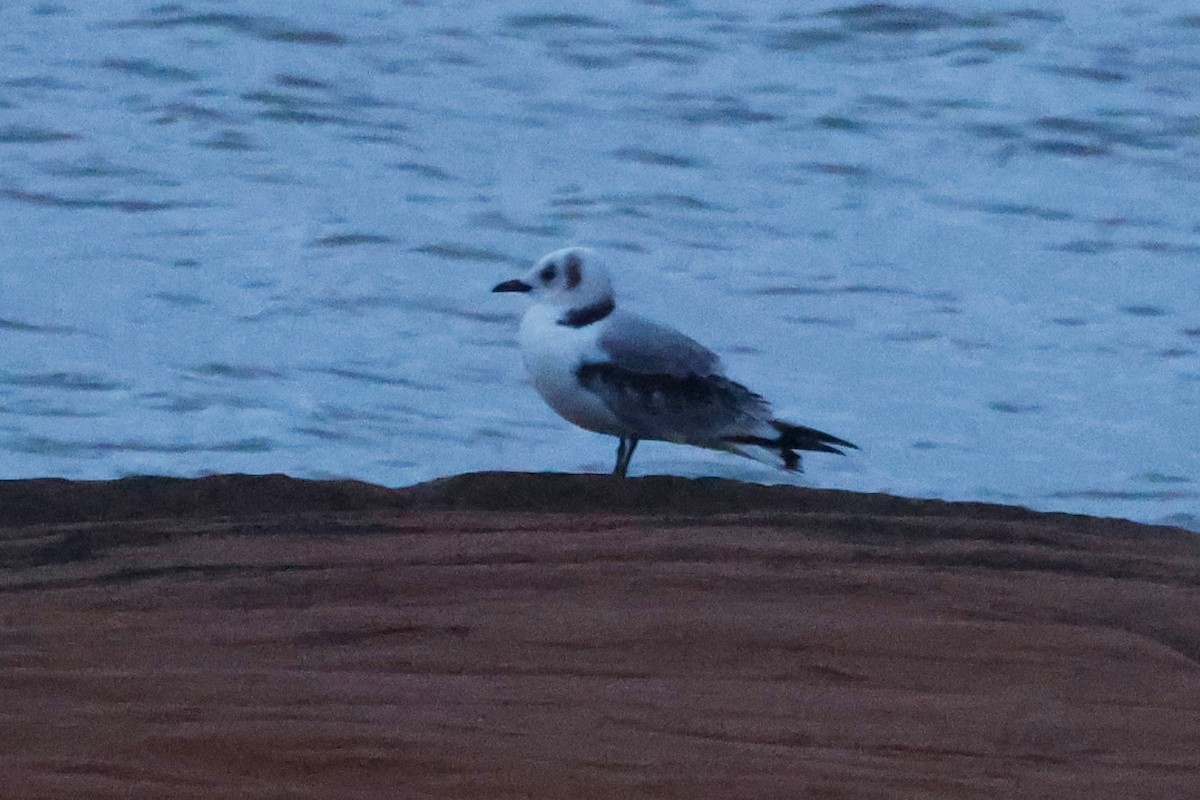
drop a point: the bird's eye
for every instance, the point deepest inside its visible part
(548, 272)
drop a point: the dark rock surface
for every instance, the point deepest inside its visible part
(578, 636)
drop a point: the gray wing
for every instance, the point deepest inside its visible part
(637, 344)
(663, 385)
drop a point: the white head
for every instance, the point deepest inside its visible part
(571, 278)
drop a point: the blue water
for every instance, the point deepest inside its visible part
(964, 236)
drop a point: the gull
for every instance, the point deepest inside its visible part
(613, 372)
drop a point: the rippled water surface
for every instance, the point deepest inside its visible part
(964, 236)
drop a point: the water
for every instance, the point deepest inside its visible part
(963, 236)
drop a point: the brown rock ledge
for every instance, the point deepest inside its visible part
(578, 636)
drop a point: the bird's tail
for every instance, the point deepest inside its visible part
(798, 437)
(790, 439)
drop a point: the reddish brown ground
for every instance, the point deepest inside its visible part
(551, 636)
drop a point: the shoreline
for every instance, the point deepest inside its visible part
(30, 501)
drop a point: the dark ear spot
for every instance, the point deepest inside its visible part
(574, 269)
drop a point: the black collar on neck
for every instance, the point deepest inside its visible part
(580, 317)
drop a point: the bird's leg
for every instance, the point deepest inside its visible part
(619, 469)
(633, 443)
(624, 453)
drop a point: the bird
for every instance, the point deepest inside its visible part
(614, 372)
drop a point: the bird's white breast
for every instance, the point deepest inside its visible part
(552, 354)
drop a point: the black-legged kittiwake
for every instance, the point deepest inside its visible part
(613, 372)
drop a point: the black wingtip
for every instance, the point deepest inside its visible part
(800, 437)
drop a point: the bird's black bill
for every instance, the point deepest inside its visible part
(513, 286)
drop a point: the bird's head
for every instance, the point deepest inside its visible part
(570, 278)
